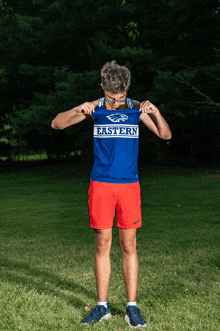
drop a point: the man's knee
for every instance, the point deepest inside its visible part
(128, 246)
(127, 240)
(103, 241)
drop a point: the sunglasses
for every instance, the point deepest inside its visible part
(113, 100)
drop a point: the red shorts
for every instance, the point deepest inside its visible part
(105, 198)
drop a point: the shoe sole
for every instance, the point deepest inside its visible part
(127, 319)
(107, 316)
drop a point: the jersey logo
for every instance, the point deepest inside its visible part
(116, 118)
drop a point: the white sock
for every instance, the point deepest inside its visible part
(100, 303)
(131, 304)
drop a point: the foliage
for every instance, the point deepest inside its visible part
(52, 53)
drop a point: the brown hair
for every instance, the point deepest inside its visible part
(115, 78)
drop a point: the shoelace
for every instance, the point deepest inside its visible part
(136, 311)
(98, 311)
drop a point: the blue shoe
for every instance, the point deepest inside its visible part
(98, 314)
(134, 318)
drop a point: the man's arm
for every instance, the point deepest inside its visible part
(74, 116)
(153, 119)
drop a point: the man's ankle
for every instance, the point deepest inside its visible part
(103, 303)
(131, 304)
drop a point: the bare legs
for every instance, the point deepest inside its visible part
(127, 239)
(102, 262)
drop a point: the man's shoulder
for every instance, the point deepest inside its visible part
(136, 104)
(95, 102)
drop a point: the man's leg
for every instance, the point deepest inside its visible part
(127, 239)
(102, 262)
(130, 272)
(102, 272)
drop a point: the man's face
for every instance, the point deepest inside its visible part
(115, 100)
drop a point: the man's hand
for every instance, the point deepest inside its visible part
(86, 108)
(148, 108)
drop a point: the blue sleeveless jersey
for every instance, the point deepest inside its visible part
(116, 144)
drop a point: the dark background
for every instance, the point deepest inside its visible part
(51, 53)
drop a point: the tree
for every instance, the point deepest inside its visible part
(53, 51)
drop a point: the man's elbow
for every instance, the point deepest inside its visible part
(56, 126)
(53, 125)
(166, 136)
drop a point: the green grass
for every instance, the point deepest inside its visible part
(47, 253)
(34, 157)
(31, 157)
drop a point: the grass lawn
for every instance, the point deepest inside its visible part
(47, 253)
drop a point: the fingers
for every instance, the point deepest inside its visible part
(147, 107)
(88, 108)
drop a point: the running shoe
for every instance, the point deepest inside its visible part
(134, 318)
(98, 314)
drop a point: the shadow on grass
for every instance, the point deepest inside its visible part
(48, 283)
(42, 281)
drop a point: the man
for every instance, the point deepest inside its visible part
(114, 181)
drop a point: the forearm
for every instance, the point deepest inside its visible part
(67, 118)
(162, 126)
(74, 116)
